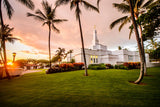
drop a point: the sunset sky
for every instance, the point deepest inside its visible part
(34, 37)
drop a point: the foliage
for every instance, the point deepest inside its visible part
(119, 48)
(109, 66)
(10, 10)
(151, 20)
(65, 67)
(72, 60)
(97, 66)
(128, 65)
(155, 54)
(61, 54)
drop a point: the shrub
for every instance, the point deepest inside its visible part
(132, 65)
(97, 66)
(109, 66)
(128, 65)
(78, 66)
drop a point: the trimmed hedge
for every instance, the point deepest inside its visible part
(128, 65)
(97, 66)
(65, 67)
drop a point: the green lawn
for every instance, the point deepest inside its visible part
(71, 89)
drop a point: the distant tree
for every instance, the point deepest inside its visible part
(119, 48)
(76, 4)
(55, 59)
(155, 54)
(72, 60)
(21, 62)
(48, 18)
(70, 52)
(153, 44)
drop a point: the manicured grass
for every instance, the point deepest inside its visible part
(68, 89)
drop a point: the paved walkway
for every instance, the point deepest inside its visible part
(30, 71)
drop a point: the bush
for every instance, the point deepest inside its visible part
(132, 65)
(128, 65)
(97, 66)
(65, 67)
(109, 66)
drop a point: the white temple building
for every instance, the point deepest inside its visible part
(98, 53)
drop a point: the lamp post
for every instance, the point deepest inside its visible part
(14, 55)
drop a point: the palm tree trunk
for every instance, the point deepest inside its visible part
(3, 42)
(84, 56)
(1, 55)
(143, 52)
(70, 56)
(49, 47)
(139, 45)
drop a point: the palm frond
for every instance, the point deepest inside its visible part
(118, 21)
(40, 13)
(123, 7)
(44, 23)
(61, 2)
(72, 5)
(55, 29)
(131, 31)
(27, 3)
(139, 2)
(35, 16)
(59, 20)
(124, 22)
(9, 8)
(77, 12)
(9, 30)
(46, 7)
(89, 6)
(11, 39)
(147, 3)
(98, 1)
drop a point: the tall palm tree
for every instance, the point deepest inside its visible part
(6, 35)
(76, 4)
(10, 10)
(47, 18)
(138, 42)
(129, 7)
(139, 8)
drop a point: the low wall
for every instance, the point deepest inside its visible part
(153, 64)
(12, 72)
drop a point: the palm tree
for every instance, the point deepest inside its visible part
(119, 48)
(60, 53)
(48, 18)
(6, 35)
(76, 4)
(129, 7)
(10, 10)
(138, 42)
(70, 52)
(153, 44)
(139, 8)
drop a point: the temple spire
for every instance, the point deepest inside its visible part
(95, 40)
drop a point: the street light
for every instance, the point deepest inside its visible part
(14, 55)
